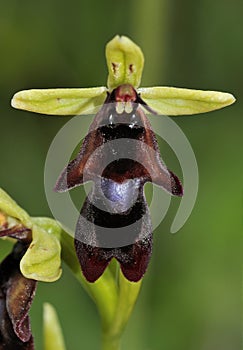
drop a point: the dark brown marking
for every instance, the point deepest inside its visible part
(131, 68)
(114, 67)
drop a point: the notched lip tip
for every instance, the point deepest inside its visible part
(178, 193)
(178, 190)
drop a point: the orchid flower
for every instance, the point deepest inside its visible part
(125, 62)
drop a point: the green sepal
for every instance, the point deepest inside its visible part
(53, 337)
(177, 101)
(60, 101)
(42, 260)
(12, 209)
(124, 61)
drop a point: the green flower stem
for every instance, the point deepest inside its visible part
(104, 291)
(114, 302)
(128, 293)
(110, 343)
(114, 268)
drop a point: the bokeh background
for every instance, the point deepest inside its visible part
(191, 297)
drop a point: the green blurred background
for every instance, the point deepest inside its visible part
(191, 297)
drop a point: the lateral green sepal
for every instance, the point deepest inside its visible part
(60, 101)
(177, 101)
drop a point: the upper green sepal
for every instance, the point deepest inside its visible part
(125, 62)
(177, 101)
(60, 101)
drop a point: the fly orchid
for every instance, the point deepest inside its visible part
(114, 221)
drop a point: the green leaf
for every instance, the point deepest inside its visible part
(176, 101)
(42, 260)
(53, 338)
(12, 209)
(60, 101)
(125, 62)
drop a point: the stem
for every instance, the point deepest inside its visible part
(114, 304)
(104, 291)
(128, 293)
(110, 343)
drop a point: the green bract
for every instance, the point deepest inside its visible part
(53, 338)
(125, 65)
(42, 260)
